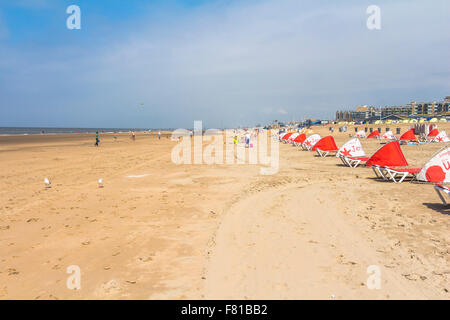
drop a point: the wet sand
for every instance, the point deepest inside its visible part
(157, 230)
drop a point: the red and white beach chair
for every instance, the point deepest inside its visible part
(325, 146)
(286, 137)
(299, 139)
(440, 137)
(310, 142)
(352, 153)
(387, 158)
(374, 135)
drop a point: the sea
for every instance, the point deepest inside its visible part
(34, 130)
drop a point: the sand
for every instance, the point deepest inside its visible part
(157, 230)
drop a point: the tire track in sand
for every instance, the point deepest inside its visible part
(295, 242)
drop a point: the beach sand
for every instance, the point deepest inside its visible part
(157, 230)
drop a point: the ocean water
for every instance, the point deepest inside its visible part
(25, 131)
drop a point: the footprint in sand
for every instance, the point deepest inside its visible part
(110, 287)
(12, 272)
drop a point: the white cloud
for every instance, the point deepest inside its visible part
(241, 62)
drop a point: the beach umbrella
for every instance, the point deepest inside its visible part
(352, 148)
(326, 144)
(408, 135)
(388, 155)
(437, 169)
(374, 134)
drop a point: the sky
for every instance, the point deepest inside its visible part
(229, 63)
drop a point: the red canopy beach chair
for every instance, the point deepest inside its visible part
(385, 160)
(325, 146)
(299, 139)
(374, 135)
(408, 136)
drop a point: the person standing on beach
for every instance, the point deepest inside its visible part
(133, 135)
(247, 139)
(97, 140)
(159, 135)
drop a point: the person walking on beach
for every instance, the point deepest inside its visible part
(247, 139)
(159, 135)
(97, 140)
(133, 135)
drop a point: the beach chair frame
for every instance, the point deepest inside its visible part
(324, 153)
(399, 176)
(440, 190)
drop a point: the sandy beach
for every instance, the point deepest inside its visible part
(157, 230)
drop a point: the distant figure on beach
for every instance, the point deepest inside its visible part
(97, 140)
(159, 135)
(133, 135)
(247, 139)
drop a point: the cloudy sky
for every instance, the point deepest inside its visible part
(225, 62)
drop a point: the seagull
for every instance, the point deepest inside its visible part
(47, 183)
(100, 183)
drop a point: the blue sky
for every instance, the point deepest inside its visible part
(225, 62)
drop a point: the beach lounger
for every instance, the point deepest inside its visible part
(307, 147)
(380, 172)
(442, 189)
(352, 162)
(397, 175)
(323, 153)
(325, 146)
